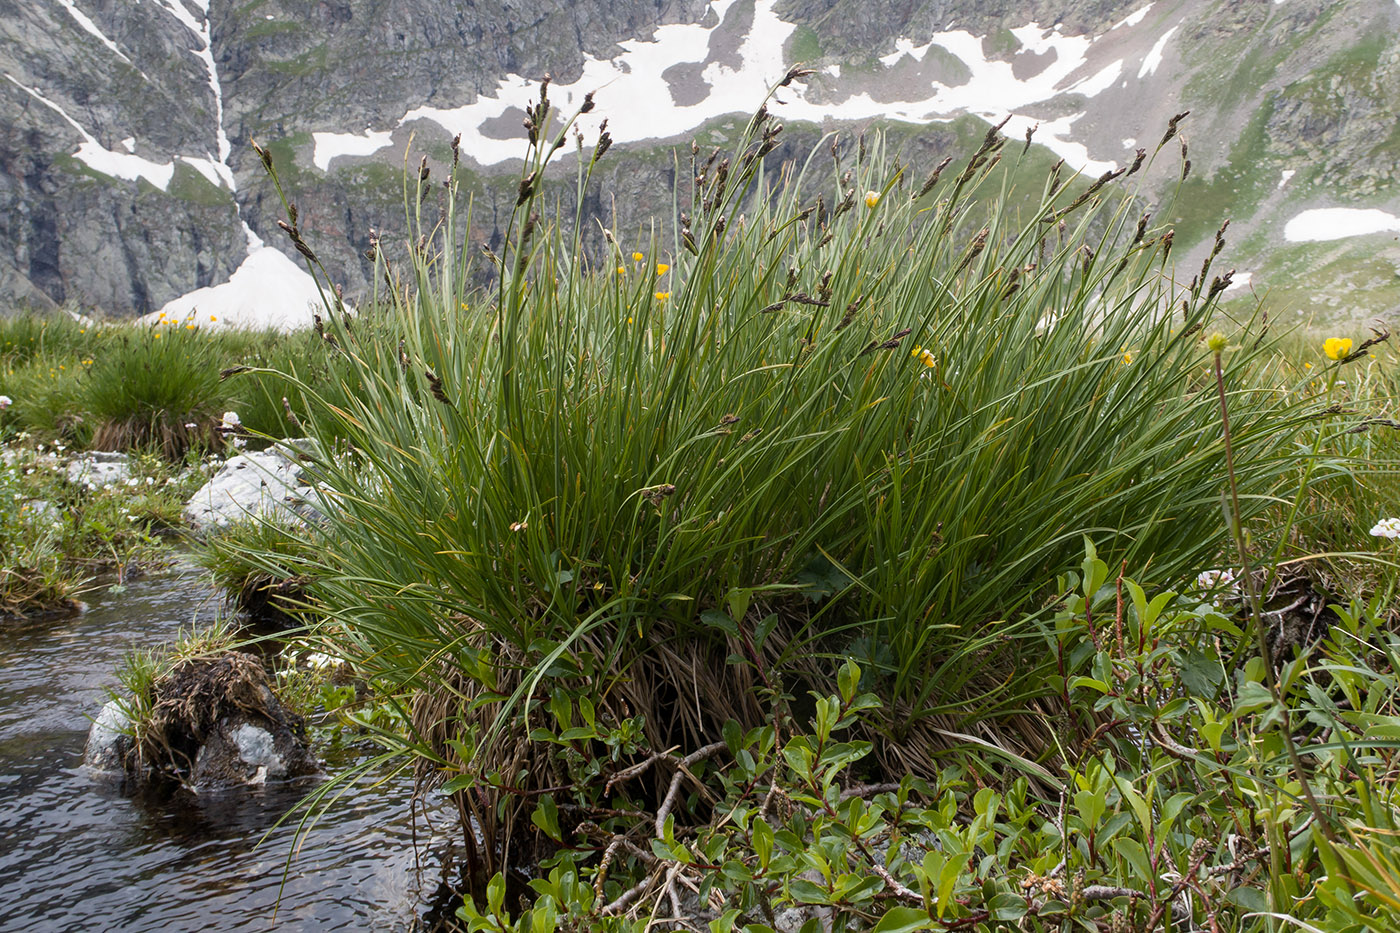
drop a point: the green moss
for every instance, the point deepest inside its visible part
(313, 61)
(262, 29)
(284, 157)
(1332, 283)
(81, 170)
(189, 184)
(1234, 189)
(1001, 44)
(804, 46)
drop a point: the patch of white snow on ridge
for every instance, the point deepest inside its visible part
(1288, 172)
(635, 78)
(1134, 18)
(1096, 84)
(1240, 281)
(83, 20)
(268, 290)
(903, 47)
(97, 157)
(1154, 56)
(213, 171)
(1337, 223)
(330, 145)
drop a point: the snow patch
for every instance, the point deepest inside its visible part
(268, 290)
(215, 172)
(87, 24)
(97, 157)
(129, 144)
(206, 55)
(903, 47)
(1154, 56)
(1288, 172)
(636, 78)
(1241, 280)
(1129, 143)
(1134, 18)
(1100, 82)
(1337, 223)
(330, 145)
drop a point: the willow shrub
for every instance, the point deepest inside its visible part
(843, 411)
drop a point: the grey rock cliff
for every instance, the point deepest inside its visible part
(1307, 87)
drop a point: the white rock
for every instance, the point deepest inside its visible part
(255, 747)
(265, 484)
(99, 467)
(109, 739)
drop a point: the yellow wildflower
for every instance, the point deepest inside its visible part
(637, 257)
(662, 296)
(925, 357)
(872, 198)
(1128, 357)
(189, 327)
(1307, 365)
(662, 268)
(157, 335)
(212, 318)
(1336, 347)
(621, 270)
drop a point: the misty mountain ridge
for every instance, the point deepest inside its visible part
(130, 184)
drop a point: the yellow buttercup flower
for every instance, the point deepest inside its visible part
(925, 357)
(662, 268)
(662, 296)
(189, 327)
(872, 198)
(637, 257)
(1128, 357)
(621, 270)
(1336, 347)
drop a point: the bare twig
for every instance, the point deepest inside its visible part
(682, 770)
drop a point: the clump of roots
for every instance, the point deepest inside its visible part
(189, 702)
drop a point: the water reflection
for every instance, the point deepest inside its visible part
(76, 853)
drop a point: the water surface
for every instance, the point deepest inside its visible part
(81, 853)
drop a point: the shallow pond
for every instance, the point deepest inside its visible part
(80, 854)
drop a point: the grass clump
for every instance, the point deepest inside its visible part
(157, 388)
(845, 413)
(256, 564)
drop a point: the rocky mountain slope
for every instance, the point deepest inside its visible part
(128, 180)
